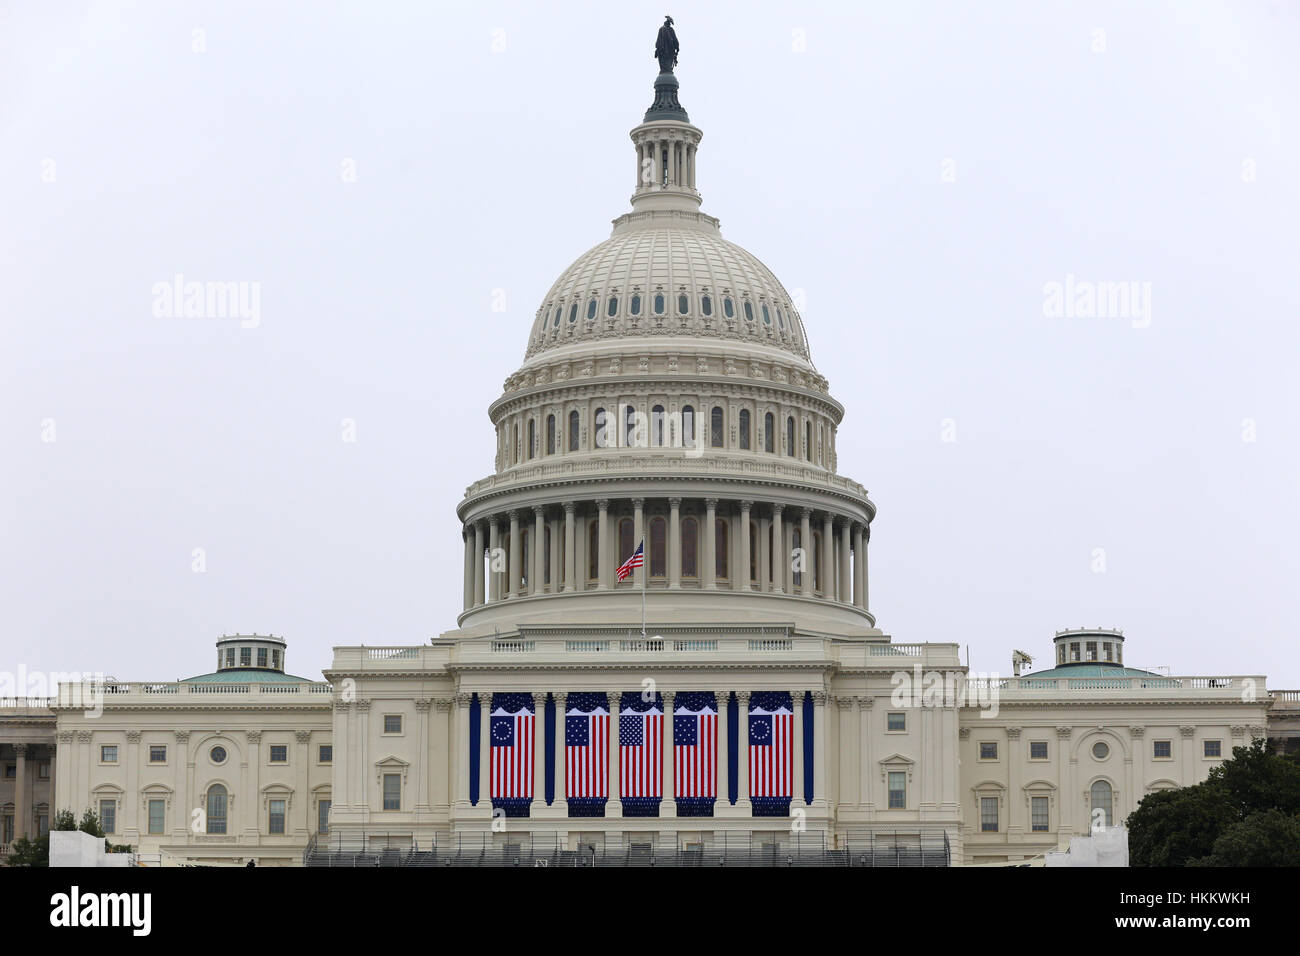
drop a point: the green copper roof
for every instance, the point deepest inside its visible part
(241, 676)
(1090, 669)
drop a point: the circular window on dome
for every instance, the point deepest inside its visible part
(1100, 750)
(706, 305)
(749, 311)
(591, 309)
(573, 313)
(767, 317)
(636, 305)
(659, 304)
(728, 308)
(217, 754)
(613, 305)
(683, 304)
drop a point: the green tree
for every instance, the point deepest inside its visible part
(1265, 838)
(1256, 779)
(1175, 827)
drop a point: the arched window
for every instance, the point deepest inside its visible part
(796, 576)
(636, 305)
(728, 307)
(715, 427)
(550, 434)
(659, 303)
(546, 554)
(517, 444)
(817, 560)
(688, 426)
(591, 309)
(720, 548)
(532, 438)
(749, 311)
(629, 426)
(769, 439)
(613, 306)
(683, 304)
(767, 317)
(753, 551)
(217, 809)
(744, 429)
(573, 431)
(658, 548)
(789, 437)
(573, 313)
(599, 437)
(807, 437)
(625, 542)
(525, 552)
(593, 551)
(657, 425)
(1102, 798)
(690, 548)
(558, 313)
(706, 305)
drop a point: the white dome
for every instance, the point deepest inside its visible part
(633, 284)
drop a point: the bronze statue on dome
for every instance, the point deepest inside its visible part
(666, 47)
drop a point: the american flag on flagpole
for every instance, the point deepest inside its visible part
(586, 747)
(771, 746)
(636, 561)
(513, 742)
(640, 748)
(695, 747)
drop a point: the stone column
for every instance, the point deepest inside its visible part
(638, 536)
(537, 577)
(828, 557)
(743, 804)
(252, 813)
(797, 791)
(723, 802)
(570, 548)
(458, 751)
(845, 592)
(302, 792)
(182, 801)
(668, 808)
(557, 551)
(129, 817)
(561, 698)
(539, 750)
(779, 556)
(859, 553)
(602, 545)
(866, 578)
(478, 562)
(866, 769)
(764, 567)
(514, 585)
(469, 567)
(494, 547)
(674, 543)
(806, 545)
(614, 808)
(743, 571)
(21, 808)
(485, 752)
(422, 707)
(710, 569)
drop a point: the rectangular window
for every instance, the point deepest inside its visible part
(1038, 750)
(279, 753)
(326, 754)
(157, 753)
(108, 815)
(275, 818)
(42, 824)
(1164, 749)
(1092, 650)
(323, 816)
(156, 808)
(1038, 814)
(1213, 748)
(988, 750)
(43, 770)
(7, 828)
(988, 814)
(392, 723)
(245, 657)
(11, 771)
(896, 721)
(275, 659)
(261, 657)
(897, 790)
(108, 753)
(392, 791)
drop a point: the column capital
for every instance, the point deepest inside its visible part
(539, 511)
(364, 706)
(181, 735)
(1136, 730)
(602, 504)
(561, 697)
(819, 697)
(570, 508)
(674, 502)
(65, 736)
(1013, 733)
(777, 508)
(253, 736)
(638, 502)
(843, 703)
(463, 700)
(1187, 731)
(805, 514)
(22, 749)
(742, 698)
(444, 704)
(341, 705)
(1063, 733)
(467, 532)
(423, 704)
(669, 696)
(843, 522)
(132, 735)
(711, 503)
(302, 736)
(746, 505)
(866, 703)
(513, 514)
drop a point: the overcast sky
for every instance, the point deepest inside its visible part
(921, 173)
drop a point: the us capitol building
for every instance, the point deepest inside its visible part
(667, 395)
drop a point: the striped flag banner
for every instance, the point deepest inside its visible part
(512, 735)
(695, 753)
(771, 752)
(640, 754)
(586, 754)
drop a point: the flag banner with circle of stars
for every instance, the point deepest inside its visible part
(771, 752)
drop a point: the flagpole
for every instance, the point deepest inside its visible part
(645, 573)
